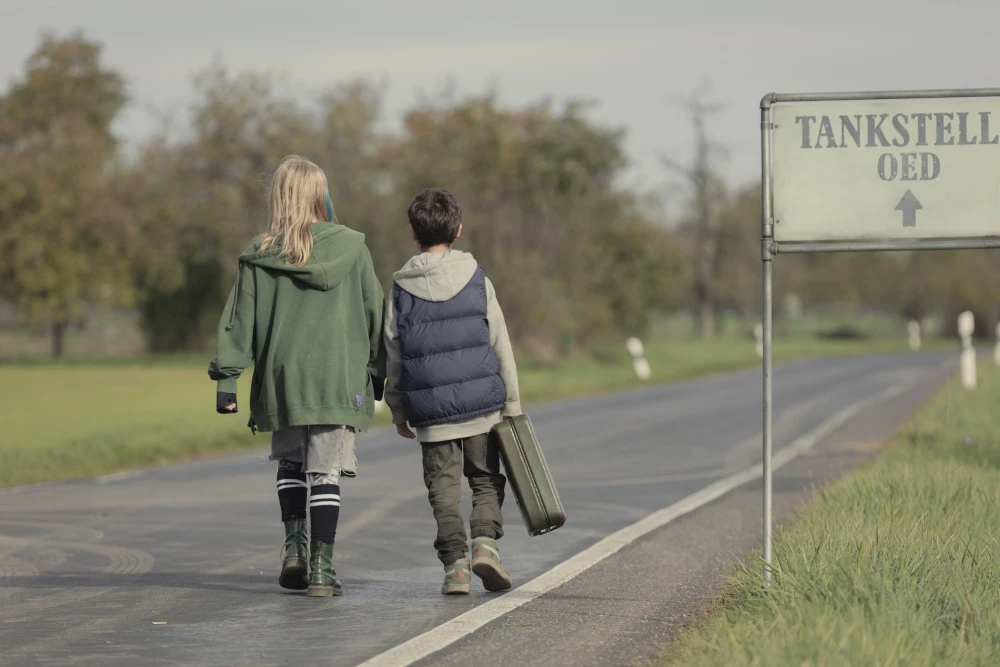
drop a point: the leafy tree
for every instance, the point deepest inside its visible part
(64, 228)
(542, 214)
(200, 200)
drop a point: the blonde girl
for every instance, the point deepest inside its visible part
(306, 311)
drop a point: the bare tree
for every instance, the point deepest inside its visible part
(704, 187)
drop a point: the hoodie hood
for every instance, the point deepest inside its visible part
(436, 276)
(335, 251)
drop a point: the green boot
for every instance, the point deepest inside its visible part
(323, 581)
(295, 556)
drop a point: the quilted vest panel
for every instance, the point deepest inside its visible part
(450, 372)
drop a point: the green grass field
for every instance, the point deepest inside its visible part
(90, 418)
(896, 564)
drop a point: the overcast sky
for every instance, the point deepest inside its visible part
(627, 55)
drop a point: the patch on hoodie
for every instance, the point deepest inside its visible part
(359, 401)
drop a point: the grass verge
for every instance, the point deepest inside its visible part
(896, 564)
(77, 419)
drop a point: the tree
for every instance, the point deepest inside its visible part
(949, 282)
(200, 201)
(537, 185)
(64, 232)
(705, 191)
(574, 258)
(350, 149)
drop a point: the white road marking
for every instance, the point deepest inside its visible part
(465, 624)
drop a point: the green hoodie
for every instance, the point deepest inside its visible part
(313, 333)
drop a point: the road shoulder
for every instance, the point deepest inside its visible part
(626, 608)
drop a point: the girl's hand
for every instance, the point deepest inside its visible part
(225, 403)
(404, 430)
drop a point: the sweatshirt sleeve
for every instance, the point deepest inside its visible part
(375, 314)
(393, 366)
(500, 341)
(234, 337)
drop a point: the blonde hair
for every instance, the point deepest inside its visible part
(297, 198)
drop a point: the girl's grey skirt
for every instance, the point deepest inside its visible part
(322, 450)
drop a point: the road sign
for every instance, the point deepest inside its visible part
(888, 170)
(901, 169)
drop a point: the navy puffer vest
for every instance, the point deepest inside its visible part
(450, 372)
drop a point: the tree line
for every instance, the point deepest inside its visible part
(578, 259)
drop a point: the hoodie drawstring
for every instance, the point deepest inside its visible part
(236, 296)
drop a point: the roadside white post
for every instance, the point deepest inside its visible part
(967, 327)
(914, 332)
(898, 170)
(637, 351)
(758, 337)
(996, 348)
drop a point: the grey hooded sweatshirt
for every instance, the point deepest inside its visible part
(439, 276)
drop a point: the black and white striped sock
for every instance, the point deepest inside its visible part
(324, 512)
(292, 490)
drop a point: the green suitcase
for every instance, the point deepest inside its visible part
(529, 475)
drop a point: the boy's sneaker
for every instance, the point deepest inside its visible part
(486, 564)
(457, 578)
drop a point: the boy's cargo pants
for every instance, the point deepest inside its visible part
(478, 458)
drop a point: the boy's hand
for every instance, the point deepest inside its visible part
(225, 403)
(404, 430)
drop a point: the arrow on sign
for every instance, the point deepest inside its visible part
(909, 205)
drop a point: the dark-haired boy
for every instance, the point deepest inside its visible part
(451, 377)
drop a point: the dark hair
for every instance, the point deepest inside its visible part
(435, 216)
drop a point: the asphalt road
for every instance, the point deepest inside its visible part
(178, 565)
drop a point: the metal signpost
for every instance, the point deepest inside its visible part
(887, 170)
